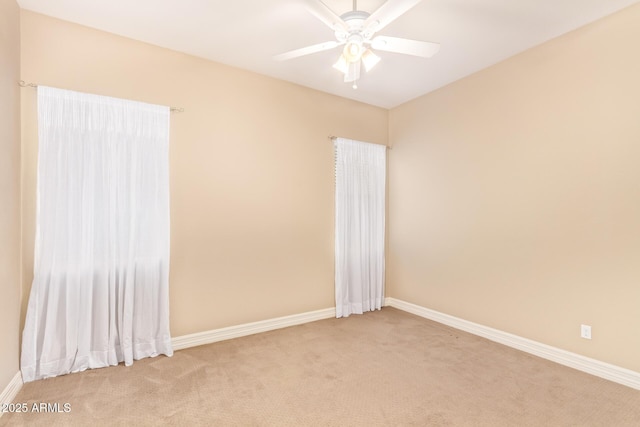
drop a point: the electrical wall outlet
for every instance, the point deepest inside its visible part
(585, 331)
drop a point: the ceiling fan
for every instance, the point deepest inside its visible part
(355, 30)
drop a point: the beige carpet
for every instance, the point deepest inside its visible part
(385, 368)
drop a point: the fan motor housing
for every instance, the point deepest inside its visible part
(355, 20)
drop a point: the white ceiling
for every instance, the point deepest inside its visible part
(474, 34)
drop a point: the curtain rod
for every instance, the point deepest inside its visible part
(22, 83)
(331, 137)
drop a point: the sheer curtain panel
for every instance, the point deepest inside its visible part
(100, 292)
(360, 222)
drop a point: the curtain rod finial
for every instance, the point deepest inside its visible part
(22, 83)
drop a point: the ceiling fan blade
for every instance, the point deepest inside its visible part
(326, 15)
(406, 46)
(306, 50)
(388, 13)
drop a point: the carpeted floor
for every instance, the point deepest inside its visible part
(386, 368)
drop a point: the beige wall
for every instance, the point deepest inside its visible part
(251, 170)
(9, 189)
(515, 194)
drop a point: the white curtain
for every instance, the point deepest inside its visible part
(100, 287)
(360, 222)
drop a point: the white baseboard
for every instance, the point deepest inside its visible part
(215, 335)
(11, 390)
(591, 366)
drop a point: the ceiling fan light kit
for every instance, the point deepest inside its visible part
(355, 30)
(341, 65)
(369, 59)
